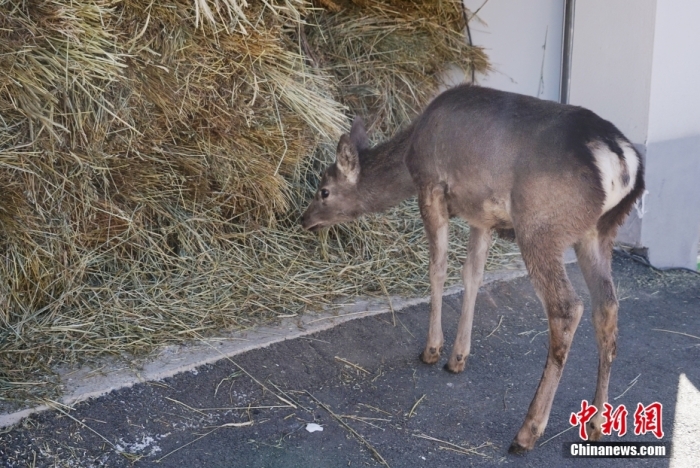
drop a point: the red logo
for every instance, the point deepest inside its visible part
(582, 417)
(615, 420)
(646, 419)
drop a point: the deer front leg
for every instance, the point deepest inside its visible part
(472, 275)
(433, 210)
(564, 310)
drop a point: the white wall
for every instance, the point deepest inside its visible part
(672, 223)
(675, 98)
(612, 61)
(513, 34)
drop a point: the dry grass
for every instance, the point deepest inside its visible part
(155, 157)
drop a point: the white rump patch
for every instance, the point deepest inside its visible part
(617, 176)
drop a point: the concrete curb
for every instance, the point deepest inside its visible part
(87, 382)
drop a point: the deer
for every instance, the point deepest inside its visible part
(550, 176)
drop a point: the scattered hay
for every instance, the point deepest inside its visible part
(155, 157)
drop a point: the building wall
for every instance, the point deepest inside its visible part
(671, 226)
(524, 43)
(675, 78)
(670, 229)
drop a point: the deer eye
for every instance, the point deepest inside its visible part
(324, 193)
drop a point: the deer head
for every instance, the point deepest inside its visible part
(338, 198)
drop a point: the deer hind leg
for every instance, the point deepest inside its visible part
(594, 254)
(472, 275)
(433, 209)
(564, 309)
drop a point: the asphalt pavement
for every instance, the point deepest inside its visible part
(357, 394)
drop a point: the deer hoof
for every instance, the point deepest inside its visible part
(594, 431)
(456, 364)
(525, 440)
(431, 355)
(517, 449)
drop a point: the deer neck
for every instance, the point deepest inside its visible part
(384, 178)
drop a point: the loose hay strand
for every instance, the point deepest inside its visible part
(350, 364)
(455, 447)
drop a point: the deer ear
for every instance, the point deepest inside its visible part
(347, 160)
(358, 134)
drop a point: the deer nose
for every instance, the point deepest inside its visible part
(308, 223)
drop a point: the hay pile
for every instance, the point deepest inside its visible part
(155, 157)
